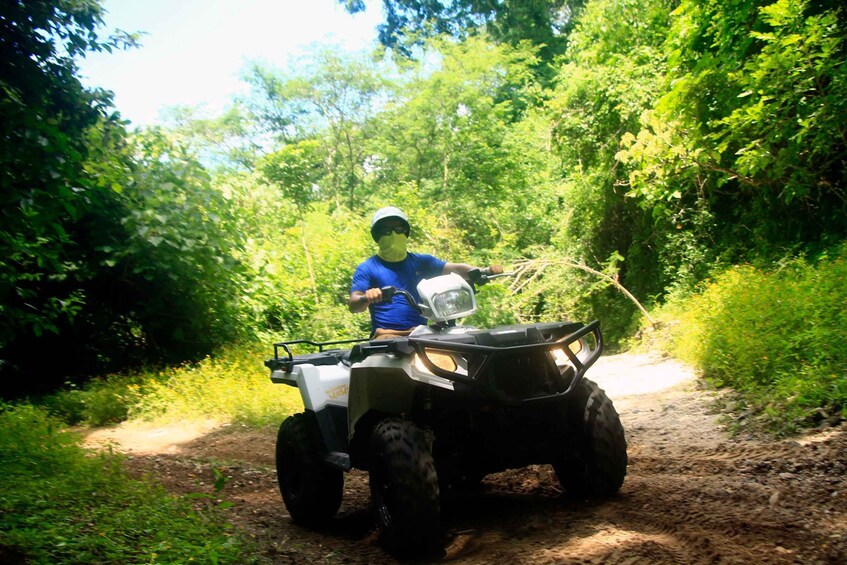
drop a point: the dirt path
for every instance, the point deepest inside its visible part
(692, 494)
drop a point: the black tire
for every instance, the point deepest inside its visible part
(597, 467)
(404, 488)
(311, 490)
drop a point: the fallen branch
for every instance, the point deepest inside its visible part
(539, 265)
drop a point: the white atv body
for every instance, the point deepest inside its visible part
(442, 408)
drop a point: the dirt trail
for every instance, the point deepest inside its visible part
(692, 494)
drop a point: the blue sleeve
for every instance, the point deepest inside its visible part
(431, 266)
(361, 279)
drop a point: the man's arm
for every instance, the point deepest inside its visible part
(356, 304)
(462, 269)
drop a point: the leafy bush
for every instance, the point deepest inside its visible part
(97, 403)
(60, 505)
(778, 337)
(232, 385)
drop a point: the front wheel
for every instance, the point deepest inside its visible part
(311, 490)
(404, 487)
(596, 465)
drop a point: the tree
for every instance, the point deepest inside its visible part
(751, 126)
(544, 23)
(331, 101)
(176, 267)
(449, 134)
(223, 143)
(114, 249)
(53, 133)
(610, 74)
(296, 170)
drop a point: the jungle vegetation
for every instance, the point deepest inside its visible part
(691, 153)
(665, 147)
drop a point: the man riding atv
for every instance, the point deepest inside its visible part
(394, 266)
(438, 408)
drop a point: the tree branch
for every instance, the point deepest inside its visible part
(538, 265)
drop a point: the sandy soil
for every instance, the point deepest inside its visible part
(693, 494)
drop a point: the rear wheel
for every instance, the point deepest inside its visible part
(597, 466)
(311, 490)
(404, 487)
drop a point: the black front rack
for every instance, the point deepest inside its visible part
(487, 360)
(287, 362)
(491, 368)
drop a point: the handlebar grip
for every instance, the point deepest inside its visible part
(388, 293)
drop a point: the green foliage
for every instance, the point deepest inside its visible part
(46, 190)
(450, 133)
(789, 125)
(296, 169)
(609, 75)
(61, 505)
(545, 23)
(776, 336)
(222, 143)
(326, 105)
(231, 386)
(751, 126)
(115, 249)
(99, 402)
(666, 142)
(182, 235)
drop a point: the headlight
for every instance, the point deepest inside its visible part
(446, 297)
(452, 302)
(440, 360)
(559, 355)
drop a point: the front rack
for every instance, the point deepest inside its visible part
(483, 360)
(285, 363)
(487, 357)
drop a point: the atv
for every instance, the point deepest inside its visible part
(440, 409)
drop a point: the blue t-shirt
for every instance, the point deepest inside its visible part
(375, 272)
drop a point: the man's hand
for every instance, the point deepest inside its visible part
(462, 269)
(373, 295)
(370, 296)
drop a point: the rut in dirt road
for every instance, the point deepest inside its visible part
(692, 494)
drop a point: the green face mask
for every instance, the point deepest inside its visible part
(392, 248)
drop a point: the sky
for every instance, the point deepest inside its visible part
(194, 50)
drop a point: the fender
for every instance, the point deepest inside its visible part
(324, 392)
(379, 383)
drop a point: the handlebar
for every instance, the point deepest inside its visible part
(477, 277)
(388, 293)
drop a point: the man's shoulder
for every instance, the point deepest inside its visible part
(417, 257)
(374, 263)
(367, 263)
(426, 260)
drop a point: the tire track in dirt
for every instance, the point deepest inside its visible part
(692, 494)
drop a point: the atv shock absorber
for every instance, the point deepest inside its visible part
(426, 416)
(426, 403)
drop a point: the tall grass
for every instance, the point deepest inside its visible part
(778, 337)
(59, 504)
(231, 386)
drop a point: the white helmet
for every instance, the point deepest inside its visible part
(384, 214)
